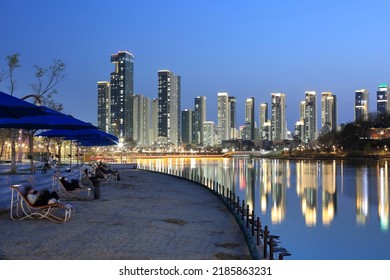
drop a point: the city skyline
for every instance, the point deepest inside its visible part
(247, 49)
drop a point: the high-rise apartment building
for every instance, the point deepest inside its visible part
(198, 120)
(302, 109)
(145, 125)
(266, 131)
(299, 130)
(103, 107)
(224, 120)
(209, 133)
(361, 105)
(328, 112)
(186, 126)
(250, 118)
(263, 115)
(232, 117)
(122, 86)
(169, 106)
(310, 116)
(278, 116)
(382, 100)
(154, 121)
(263, 120)
(141, 120)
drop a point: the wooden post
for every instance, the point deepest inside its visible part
(247, 216)
(242, 210)
(258, 226)
(253, 222)
(238, 205)
(271, 248)
(265, 241)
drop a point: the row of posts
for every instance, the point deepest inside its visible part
(237, 207)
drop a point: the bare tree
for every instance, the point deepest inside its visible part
(13, 63)
(2, 75)
(43, 90)
(47, 79)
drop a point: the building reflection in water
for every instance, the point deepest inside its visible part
(329, 191)
(362, 194)
(263, 185)
(383, 195)
(307, 188)
(279, 172)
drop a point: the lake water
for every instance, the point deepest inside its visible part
(322, 210)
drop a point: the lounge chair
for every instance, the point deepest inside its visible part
(80, 192)
(106, 173)
(85, 178)
(21, 208)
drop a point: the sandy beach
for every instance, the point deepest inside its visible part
(145, 216)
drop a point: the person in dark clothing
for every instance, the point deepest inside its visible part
(93, 178)
(103, 171)
(70, 185)
(40, 198)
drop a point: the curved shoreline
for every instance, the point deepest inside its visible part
(144, 216)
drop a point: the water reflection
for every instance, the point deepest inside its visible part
(348, 197)
(383, 195)
(307, 190)
(263, 184)
(329, 191)
(361, 194)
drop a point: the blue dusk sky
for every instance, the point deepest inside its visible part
(246, 48)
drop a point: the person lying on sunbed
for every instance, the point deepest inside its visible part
(69, 185)
(39, 198)
(105, 170)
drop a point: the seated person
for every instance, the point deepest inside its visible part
(69, 185)
(40, 198)
(92, 177)
(104, 169)
(51, 161)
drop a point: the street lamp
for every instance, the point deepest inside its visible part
(120, 145)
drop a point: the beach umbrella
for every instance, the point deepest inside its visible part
(13, 108)
(90, 142)
(93, 133)
(83, 137)
(49, 119)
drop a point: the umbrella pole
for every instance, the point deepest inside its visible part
(31, 148)
(77, 154)
(70, 159)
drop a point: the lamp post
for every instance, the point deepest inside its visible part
(120, 145)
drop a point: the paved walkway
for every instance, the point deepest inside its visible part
(146, 216)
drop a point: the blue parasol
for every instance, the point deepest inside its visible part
(49, 119)
(13, 107)
(83, 137)
(93, 133)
